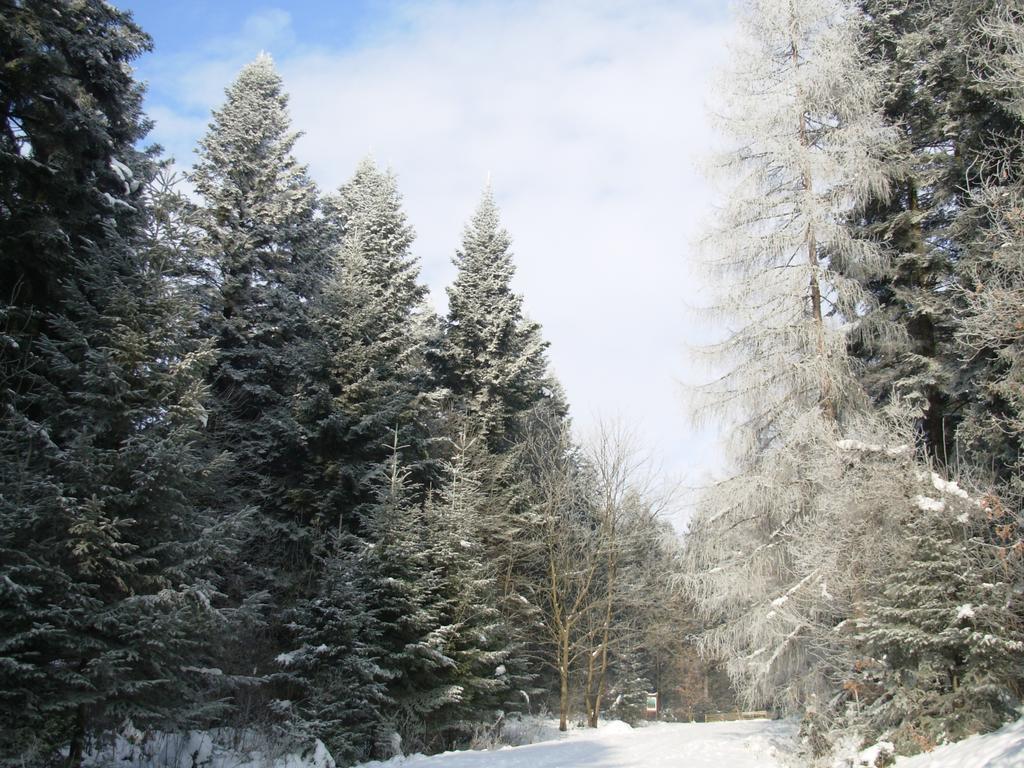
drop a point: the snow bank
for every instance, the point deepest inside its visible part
(208, 749)
(519, 730)
(1001, 749)
(950, 487)
(743, 744)
(928, 504)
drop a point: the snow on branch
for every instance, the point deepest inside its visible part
(860, 447)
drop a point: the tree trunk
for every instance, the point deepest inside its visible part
(590, 695)
(76, 747)
(563, 674)
(602, 675)
(826, 399)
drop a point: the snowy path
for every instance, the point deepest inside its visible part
(751, 744)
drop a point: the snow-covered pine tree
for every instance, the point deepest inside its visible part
(941, 634)
(402, 589)
(367, 373)
(335, 657)
(493, 359)
(474, 632)
(261, 243)
(366, 385)
(810, 149)
(100, 401)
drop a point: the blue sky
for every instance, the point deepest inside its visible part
(180, 25)
(588, 116)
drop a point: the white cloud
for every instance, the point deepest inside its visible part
(590, 119)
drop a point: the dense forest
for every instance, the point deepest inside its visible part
(251, 480)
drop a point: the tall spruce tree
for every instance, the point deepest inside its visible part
(493, 359)
(493, 362)
(261, 245)
(402, 588)
(458, 520)
(367, 373)
(101, 400)
(365, 389)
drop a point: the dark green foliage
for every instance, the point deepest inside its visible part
(955, 131)
(365, 374)
(68, 109)
(401, 588)
(100, 392)
(260, 245)
(341, 697)
(364, 394)
(943, 637)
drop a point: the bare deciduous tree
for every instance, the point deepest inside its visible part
(627, 503)
(564, 557)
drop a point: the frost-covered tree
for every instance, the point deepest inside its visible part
(367, 373)
(334, 657)
(589, 573)
(990, 273)
(365, 388)
(625, 510)
(953, 130)
(475, 634)
(493, 358)
(941, 635)
(492, 362)
(261, 249)
(402, 588)
(560, 559)
(100, 401)
(810, 144)
(991, 436)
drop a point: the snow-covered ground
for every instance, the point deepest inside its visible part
(749, 744)
(1002, 749)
